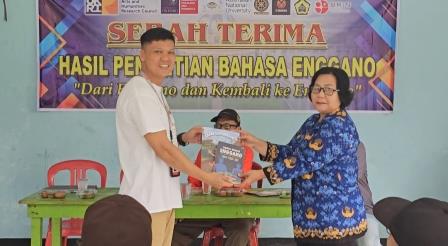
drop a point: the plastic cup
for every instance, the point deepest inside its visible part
(206, 189)
(83, 185)
(185, 190)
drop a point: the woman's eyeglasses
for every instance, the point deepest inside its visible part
(327, 90)
(226, 126)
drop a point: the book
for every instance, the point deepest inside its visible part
(229, 160)
(220, 151)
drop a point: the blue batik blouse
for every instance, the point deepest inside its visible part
(322, 163)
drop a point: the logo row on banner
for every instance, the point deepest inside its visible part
(256, 7)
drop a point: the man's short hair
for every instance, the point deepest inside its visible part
(156, 34)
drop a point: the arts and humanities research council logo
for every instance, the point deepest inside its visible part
(101, 7)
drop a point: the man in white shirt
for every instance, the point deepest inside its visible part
(147, 146)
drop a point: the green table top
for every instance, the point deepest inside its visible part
(73, 199)
(70, 198)
(197, 206)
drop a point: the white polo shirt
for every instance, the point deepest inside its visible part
(146, 178)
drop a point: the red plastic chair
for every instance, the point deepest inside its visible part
(216, 233)
(78, 170)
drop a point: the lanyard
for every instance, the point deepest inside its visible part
(173, 172)
(165, 106)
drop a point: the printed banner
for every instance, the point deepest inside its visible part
(241, 54)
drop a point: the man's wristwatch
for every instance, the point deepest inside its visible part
(179, 139)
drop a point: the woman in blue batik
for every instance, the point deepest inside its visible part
(321, 161)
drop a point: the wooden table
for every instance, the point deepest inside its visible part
(197, 206)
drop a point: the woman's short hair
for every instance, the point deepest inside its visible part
(342, 84)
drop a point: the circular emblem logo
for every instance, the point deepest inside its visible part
(261, 5)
